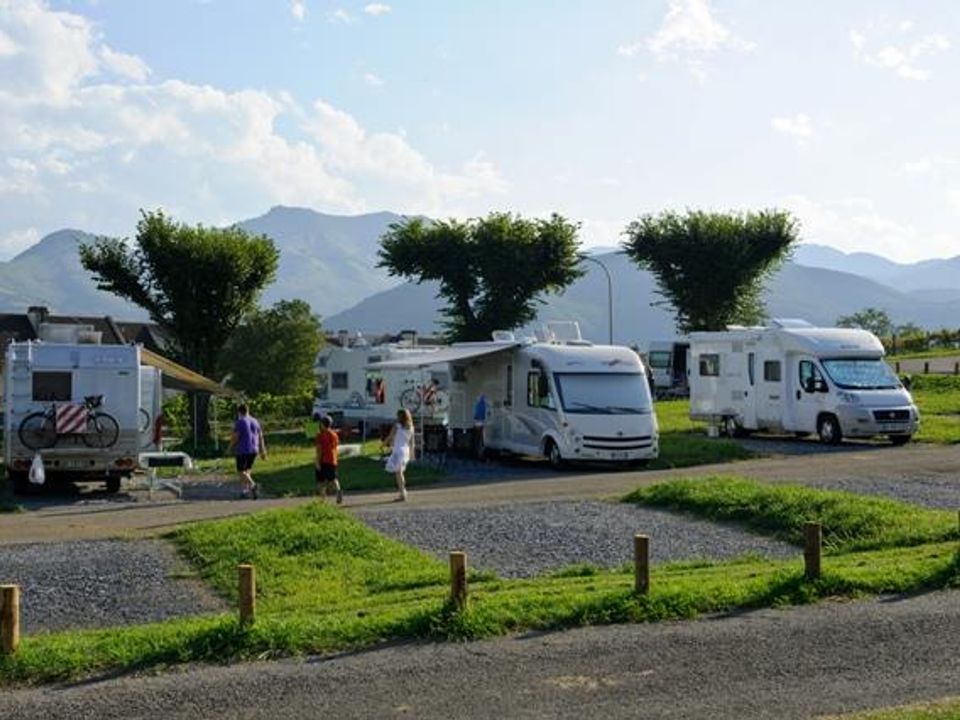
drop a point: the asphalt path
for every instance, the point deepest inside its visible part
(789, 663)
(142, 517)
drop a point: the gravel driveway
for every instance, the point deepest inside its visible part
(532, 538)
(100, 583)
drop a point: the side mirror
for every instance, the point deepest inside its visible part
(810, 385)
(822, 386)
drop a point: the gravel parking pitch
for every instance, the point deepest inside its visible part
(533, 538)
(100, 583)
(932, 491)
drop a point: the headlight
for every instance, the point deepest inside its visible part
(848, 397)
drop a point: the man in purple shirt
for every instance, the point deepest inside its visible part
(247, 442)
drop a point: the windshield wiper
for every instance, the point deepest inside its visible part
(629, 410)
(590, 408)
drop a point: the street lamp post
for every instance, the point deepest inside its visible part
(609, 295)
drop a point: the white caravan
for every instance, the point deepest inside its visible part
(555, 396)
(86, 409)
(797, 378)
(667, 360)
(348, 387)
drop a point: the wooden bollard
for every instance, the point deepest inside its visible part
(458, 579)
(812, 546)
(641, 564)
(9, 619)
(956, 368)
(248, 593)
(926, 368)
(896, 367)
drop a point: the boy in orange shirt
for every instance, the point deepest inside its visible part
(326, 468)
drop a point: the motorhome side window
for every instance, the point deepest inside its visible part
(771, 371)
(810, 378)
(710, 365)
(338, 381)
(52, 386)
(538, 391)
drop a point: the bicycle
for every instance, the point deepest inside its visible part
(38, 430)
(428, 395)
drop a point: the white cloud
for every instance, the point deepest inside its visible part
(372, 80)
(17, 241)
(857, 225)
(88, 137)
(798, 126)
(689, 34)
(298, 8)
(340, 16)
(894, 52)
(927, 164)
(376, 9)
(954, 197)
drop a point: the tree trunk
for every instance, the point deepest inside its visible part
(200, 417)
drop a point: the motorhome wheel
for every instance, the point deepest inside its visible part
(553, 455)
(21, 483)
(113, 484)
(730, 427)
(899, 439)
(828, 428)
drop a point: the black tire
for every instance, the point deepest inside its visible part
(113, 484)
(828, 430)
(899, 439)
(102, 431)
(731, 428)
(37, 431)
(552, 451)
(21, 483)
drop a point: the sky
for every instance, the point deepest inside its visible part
(846, 114)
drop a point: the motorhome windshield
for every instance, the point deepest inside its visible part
(603, 393)
(861, 374)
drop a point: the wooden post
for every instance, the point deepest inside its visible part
(9, 619)
(896, 367)
(641, 564)
(458, 579)
(248, 593)
(812, 546)
(926, 368)
(956, 368)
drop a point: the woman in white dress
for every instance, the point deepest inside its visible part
(400, 442)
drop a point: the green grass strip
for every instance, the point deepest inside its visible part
(327, 582)
(850, 522)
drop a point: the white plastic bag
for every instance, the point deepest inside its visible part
(38, 475)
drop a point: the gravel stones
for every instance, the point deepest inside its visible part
(532, 538)
(100, 583)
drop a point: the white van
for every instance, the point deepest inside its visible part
(556, 396)
(793, 377)
(668, 367)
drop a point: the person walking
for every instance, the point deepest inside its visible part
(479, 420)
(401, 444)
(328, 445)
(247, 442)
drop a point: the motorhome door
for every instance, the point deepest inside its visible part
(769, 394)
(809, 394)
(749, 409)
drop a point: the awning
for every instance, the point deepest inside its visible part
(177, 377)
(452, 354)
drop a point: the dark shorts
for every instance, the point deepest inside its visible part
(245, 461)
(325, 473)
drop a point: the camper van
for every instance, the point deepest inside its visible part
(349, 388)
(793, 377)
(667, 360)
(556, 396)
(85, 410)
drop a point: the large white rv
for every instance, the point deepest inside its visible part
(555, 396)
(347, 386)
(86, 409)
(797, 378)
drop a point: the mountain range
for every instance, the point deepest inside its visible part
(330, 261)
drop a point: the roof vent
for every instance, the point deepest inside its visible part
(503, 336)
(789, 323)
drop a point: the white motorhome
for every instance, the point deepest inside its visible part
(86, 409)
(556, 396)
(347, 386)
(794, 377)
(667, 360)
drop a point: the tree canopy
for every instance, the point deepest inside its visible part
(196, 282)
(875, 320)
(711, 267)
(273, 350)
(492, 271)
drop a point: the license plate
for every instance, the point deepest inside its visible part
(74, 464)
(619, 455)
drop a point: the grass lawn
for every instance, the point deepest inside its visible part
(684, 443)
(942, 709)
(327, 582)
(938, 397)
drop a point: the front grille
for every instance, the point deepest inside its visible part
(640, 446)
(603, 438)
(891, 416)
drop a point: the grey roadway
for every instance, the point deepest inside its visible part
(792, 663)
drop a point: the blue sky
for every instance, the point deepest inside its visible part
(844, 113)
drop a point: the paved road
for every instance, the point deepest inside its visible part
(144, 518)
(794, 663)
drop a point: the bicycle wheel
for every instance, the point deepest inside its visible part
(37, 431)
(410, 399)
(102, 431)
